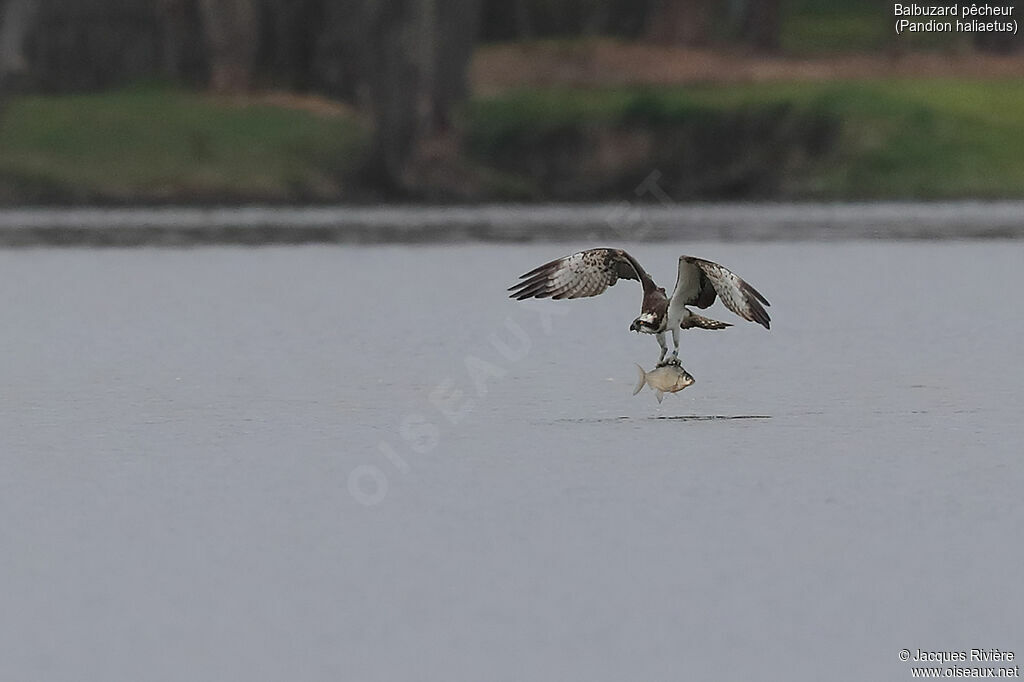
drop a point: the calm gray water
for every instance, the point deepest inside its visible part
(314, 463)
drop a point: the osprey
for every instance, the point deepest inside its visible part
(590, 272)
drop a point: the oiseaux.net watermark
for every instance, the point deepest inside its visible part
(451, 401)
(454, 398)
(978, 663)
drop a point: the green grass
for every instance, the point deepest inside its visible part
(154, 144)
(810, 34)
(899, 139)
(925, 139)
(829, 26)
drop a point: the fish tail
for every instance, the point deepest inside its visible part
(641, 379)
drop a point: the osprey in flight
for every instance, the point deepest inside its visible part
(590, 272)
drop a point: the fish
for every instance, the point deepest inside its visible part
(668, 378)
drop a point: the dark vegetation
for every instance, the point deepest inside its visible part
(109, 101)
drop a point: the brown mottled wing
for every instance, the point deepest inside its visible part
(700, 280)
(656, 304)
(695, 320)
(587, 273)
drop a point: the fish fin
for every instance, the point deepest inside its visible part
(641, 379)
(660, 394)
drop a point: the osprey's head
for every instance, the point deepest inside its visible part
(645, 323)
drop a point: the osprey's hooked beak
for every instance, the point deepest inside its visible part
(635, 327)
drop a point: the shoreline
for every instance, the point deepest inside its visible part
(428, 224)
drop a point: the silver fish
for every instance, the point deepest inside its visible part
(663, 379)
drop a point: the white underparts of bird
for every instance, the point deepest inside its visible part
(698, 283)
(663, 379)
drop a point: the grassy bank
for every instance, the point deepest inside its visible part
(923, 139)
(809, 140)
(825, 26)
(157, 144)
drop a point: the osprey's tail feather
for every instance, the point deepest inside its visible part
(695, 320)
(641, 379)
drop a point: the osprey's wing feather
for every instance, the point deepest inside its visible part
(700, 280)
(583, 274)
(695, 320)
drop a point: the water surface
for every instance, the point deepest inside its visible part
(365, 463)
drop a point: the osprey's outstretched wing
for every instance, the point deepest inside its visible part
(587, 273)
(700, 280)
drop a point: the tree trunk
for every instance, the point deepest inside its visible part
(997, 42)
(415, 73)
(680, 22)
(291, 31)
(457, 25)
(393, 78)
(231, 28)
(15, 22)
(524, 27)
(762, 22)
(183, 54)
(90, 44)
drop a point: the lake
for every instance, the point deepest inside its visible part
(331, 462)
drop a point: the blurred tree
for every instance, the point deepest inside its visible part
(288, 37)
(761, 24)
(998, 42)
(680, 22)
(504, 20)
(231, 28)
(521, 19)
(456, 30)
(627, 18)
(88, 44)
(16, 18)
(336, 50)
(414, 59)
(183, 51)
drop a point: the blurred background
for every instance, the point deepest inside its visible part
(107, 102)
(358, 459)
